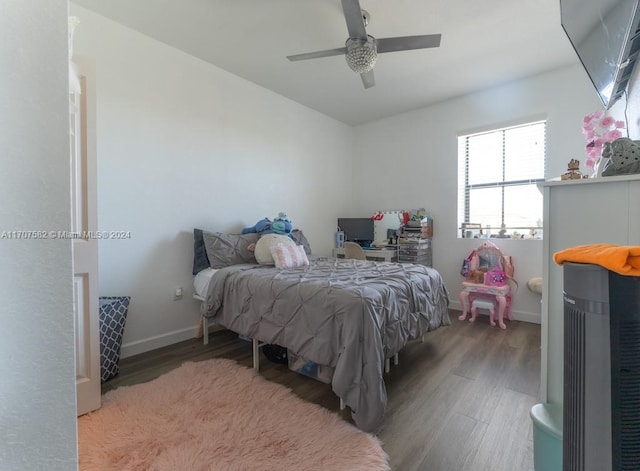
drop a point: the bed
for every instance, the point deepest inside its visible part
(350, 315)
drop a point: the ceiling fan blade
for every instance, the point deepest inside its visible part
(368, 80)
(318, 54)
(353, 16)
(404, 43)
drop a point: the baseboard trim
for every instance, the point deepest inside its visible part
(532, 317)
(151, 343)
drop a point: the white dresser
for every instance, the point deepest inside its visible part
(577, 212)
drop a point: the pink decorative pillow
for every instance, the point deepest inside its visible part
(288, 256)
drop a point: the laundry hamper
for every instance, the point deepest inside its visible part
(113, 315)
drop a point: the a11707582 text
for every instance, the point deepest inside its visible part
(86, 235)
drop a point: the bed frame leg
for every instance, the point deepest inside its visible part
(256, 355)
(395, 359)
(205, 330)
(342, 406)
(387, 365)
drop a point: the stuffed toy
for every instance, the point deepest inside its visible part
(263, 226)
(280, 225)
(477, 276)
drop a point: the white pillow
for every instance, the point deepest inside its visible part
(262, 251)
(286, 256)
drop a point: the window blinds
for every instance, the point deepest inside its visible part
(498, 175)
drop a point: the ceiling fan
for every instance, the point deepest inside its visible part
(361, 50)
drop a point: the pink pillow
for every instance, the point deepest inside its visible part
(287, 256)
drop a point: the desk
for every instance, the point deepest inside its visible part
(388, 255)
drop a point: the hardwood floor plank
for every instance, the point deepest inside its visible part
(528, 359)
(519, 333)
(506, 445)
(446, 453)
(480, 401)
(459, 401)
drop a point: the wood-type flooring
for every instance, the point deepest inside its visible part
(459, 401)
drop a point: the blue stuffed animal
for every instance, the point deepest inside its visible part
(280, 225)
(263, 226)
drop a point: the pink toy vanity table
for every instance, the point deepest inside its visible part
(500, 295)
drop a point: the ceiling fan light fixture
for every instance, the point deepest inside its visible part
(361, 49)
(361, 55)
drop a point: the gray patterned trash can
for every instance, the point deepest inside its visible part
(113, 315)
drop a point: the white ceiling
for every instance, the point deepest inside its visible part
(484, 43)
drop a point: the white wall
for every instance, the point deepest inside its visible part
(417, 154)
(183, 144)
(628, 107)
(37, 389)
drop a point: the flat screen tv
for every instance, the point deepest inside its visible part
(359, 230)
(604, 34)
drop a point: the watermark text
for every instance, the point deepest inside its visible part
(85, 235)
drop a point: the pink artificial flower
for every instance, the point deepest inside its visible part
(588, 126)
(598, 130)
(607, 121)
(612, 135)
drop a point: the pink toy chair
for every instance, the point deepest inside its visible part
(483, 303)
(488, 273)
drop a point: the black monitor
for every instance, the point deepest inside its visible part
(359, 230)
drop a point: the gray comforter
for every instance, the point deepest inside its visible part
(347, 314)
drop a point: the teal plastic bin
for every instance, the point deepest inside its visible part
(547, 437)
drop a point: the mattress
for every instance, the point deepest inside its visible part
(201, 281)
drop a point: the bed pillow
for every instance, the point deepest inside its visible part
(287, 256)
(264, 245)
(200, 259)
(300, 239)
(224, 250)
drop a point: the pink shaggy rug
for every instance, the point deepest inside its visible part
(217, 415)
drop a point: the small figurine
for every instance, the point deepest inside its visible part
(573, 172)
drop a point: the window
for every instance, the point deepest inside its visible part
(498, 173)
